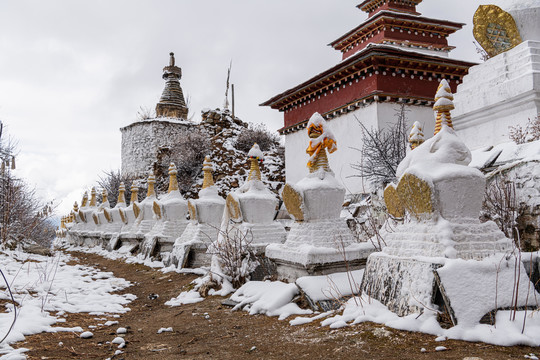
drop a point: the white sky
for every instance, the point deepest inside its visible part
(73, 72)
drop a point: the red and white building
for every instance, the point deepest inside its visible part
(394, 57)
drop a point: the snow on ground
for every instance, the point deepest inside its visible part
(45, 285)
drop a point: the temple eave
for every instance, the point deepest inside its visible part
(365, 61)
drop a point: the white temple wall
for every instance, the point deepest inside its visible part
(502, 92)
(348, 134)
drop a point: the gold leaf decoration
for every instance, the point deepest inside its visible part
(415, 195)
(157, 210)
(81, 215)
(293, 202)
(233, 207)
(96, 220)
(136, 210)
(192, 210)
(107, 215)
(393, 204)
(495, 30)
(123, 216)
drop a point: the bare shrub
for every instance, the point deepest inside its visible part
(235, 254)
(145, 113)
(256, 134)
(484, 56)
(110, 181)
(23, 216)
(382, 150)
(500, 206)
(187, 153)
(521, 135)
(368, 224)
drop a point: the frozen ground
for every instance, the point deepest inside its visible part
(45, 289)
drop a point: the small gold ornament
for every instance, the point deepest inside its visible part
(93, 197)
(416, 196)
(293, 202)
(121, 194)
(208, 179)
(192, 210)
(233, 207)
(157, 210)
(173, 180)
(393, 204)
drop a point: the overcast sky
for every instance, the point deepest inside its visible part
(73, 72)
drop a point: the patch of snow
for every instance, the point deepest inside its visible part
(333, 286)
(87, 335)
(186, 297)
(162, 330)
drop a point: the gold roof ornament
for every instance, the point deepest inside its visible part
(151, 182)
(443, 105)
(255, 156)
(172, 103)
(416, 137)
(495, 30)
(121, 194)
(93, 197)
(208, 169)
(321, 139)
(134, 194)
(75, 207)
(173, 180)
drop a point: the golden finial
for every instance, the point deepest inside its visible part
(208, 179)
(134, 194)
(173, 181)
(104, 196)
(322, 140)
(255, 155)
(121, 194)
(75, 207)
(151, 181)
(93, 197)
(84, 201)
(63, 222)
(416, 137)
(443, 105)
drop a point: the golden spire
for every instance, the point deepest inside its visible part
(443, 105)
(208, 179)
(416, 137)
(151, 181)
(173, 181)
(93, 197)
(63, 222)
(84, 201)
(134, 194)
(104, 196)
(121, 194)
(255, 155)
(75, 207)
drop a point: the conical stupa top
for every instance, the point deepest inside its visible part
(208, 168)
(134, 194)
(84, 201)
(151, 190)
(443, 105)
(121, 194)
(173, 180)
(104, 196)
(172, 103)
(75, 207)
(255, 155)
(93, 197)
(416, 137)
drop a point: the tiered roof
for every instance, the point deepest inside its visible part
(172, 103)
(395, 55)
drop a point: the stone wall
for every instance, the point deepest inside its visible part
(142, 140)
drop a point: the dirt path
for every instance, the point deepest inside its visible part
(208, 330)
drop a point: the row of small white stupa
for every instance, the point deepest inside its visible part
(169, 226)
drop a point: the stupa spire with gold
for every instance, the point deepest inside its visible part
(151, 183)
(93, 194)
(173, 180)
(416, 137)
(172, 103)
(121, 195)
(134, 194)
(321, 139)
(443, 105)
(255, 156)
(208, 169)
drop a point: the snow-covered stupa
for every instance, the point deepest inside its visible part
(253, 207)
(319, 241)
(126, 241)
(86, 214)
(443, 255)
(505, 90)
(114, 217)
(206, 212)
(170, 214)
